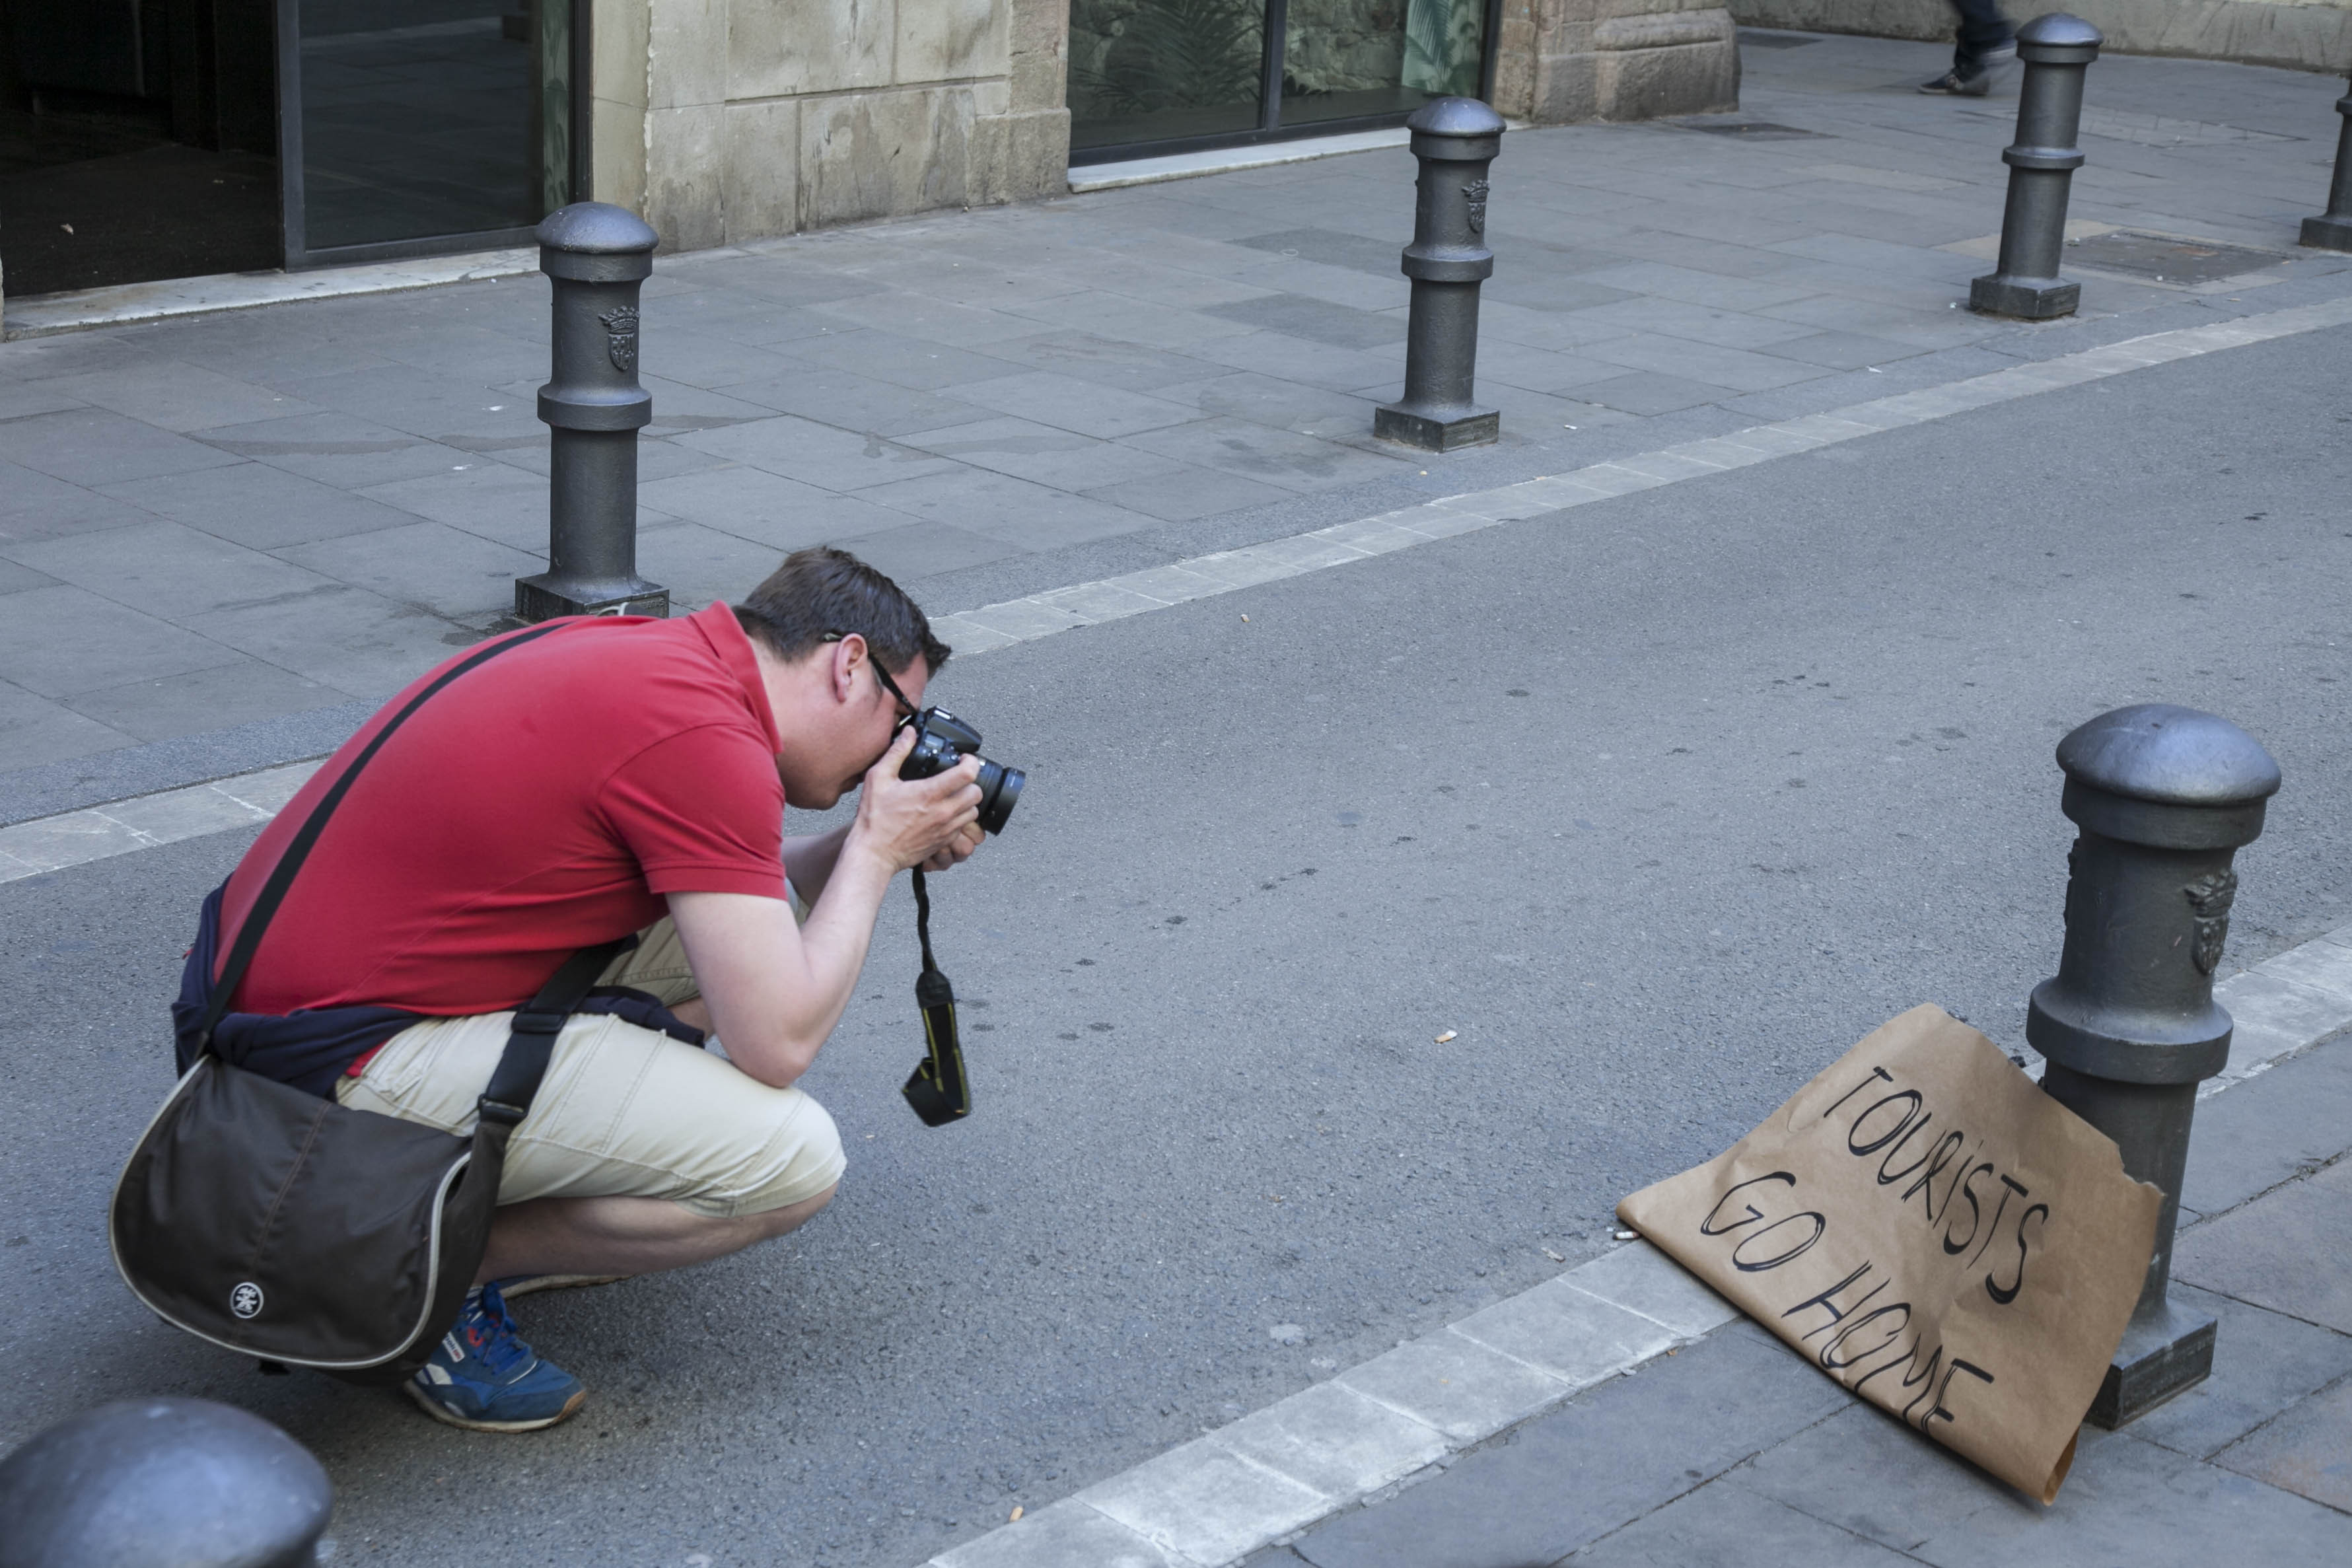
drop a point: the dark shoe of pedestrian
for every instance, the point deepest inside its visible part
(1952, 84)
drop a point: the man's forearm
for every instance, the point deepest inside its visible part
(834, 940)
(771, 990)
(809, 861)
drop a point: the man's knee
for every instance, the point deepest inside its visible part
(784, 1221)
(735, 1232)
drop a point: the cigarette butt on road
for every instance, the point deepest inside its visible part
(1245, 617)
(1555, 1256)
(1016, 1515)
(1445, 1037)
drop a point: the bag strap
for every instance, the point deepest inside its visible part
(536, 1024)
(281, 876)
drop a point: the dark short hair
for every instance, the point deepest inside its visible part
(822, 593)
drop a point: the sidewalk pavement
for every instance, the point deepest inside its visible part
(223, 540)
(1622, 1413)
(1736, 1452)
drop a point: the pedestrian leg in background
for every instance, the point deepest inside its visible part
(1986, 40)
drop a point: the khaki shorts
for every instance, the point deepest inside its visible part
(622, 1111)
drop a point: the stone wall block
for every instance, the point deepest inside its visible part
(1665, 29)
(991, 177)
(1041, 39)
(1565, 90)
(953, 40)
(780, 47)
(1030, 155)
(619, 75)
(1650, 84)
(685, 52)
(877, 154)
(617, 142)
(1631, 59)
(1514, 70)
(685, 160)
(759, 192)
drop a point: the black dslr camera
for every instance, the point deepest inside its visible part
(938, 1091)
(941, 741)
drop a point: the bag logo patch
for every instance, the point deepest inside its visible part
(246, 1300)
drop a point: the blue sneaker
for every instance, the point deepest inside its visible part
(485, 1379)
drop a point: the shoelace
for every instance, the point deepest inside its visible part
(501, 1345)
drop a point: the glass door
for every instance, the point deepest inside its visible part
(410, 127)
(1148, 77)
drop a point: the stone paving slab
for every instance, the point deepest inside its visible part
(2284, 1252)
(2272, 1129)
(1134, 375)
(2308, 1450)
(2265, 1362)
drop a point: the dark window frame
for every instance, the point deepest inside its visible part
(293, 210)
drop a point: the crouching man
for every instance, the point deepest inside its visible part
(614, 776)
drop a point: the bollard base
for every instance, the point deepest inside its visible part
(1449, 432)
(2161, 1354)
(546, 596)
(2327, 233)
(1994, 295)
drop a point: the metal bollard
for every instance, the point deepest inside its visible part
(2332, 230)
(2056, 49)
(597, 257)
(1455, 139)
(2164, 796)
(150, 1482)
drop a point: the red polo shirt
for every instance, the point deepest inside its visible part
(541, 804)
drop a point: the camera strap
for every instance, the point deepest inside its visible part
(937, 1090)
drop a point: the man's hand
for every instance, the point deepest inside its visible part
(932, 822)
(772, 990)
(959, 850)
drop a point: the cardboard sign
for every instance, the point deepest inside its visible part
(1926, 1225)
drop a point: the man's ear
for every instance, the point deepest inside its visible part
(849, 654)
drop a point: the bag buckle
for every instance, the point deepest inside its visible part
(497, 1110)
(526, 1022)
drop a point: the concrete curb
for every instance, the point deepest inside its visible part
(1221, 1496)
(147, 821)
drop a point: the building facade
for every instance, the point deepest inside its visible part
(144, 140)
(724, 120)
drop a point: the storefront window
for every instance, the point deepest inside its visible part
(426, 118)
(1343, 60)
(1159, 74)
(1163, 70)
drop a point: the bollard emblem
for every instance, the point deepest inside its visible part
(1477, 191)
(2210, 896)
(620, 336)
(246, 1300)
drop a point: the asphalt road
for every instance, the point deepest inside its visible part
(1658, 805)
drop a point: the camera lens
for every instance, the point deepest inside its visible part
(1000, 791)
